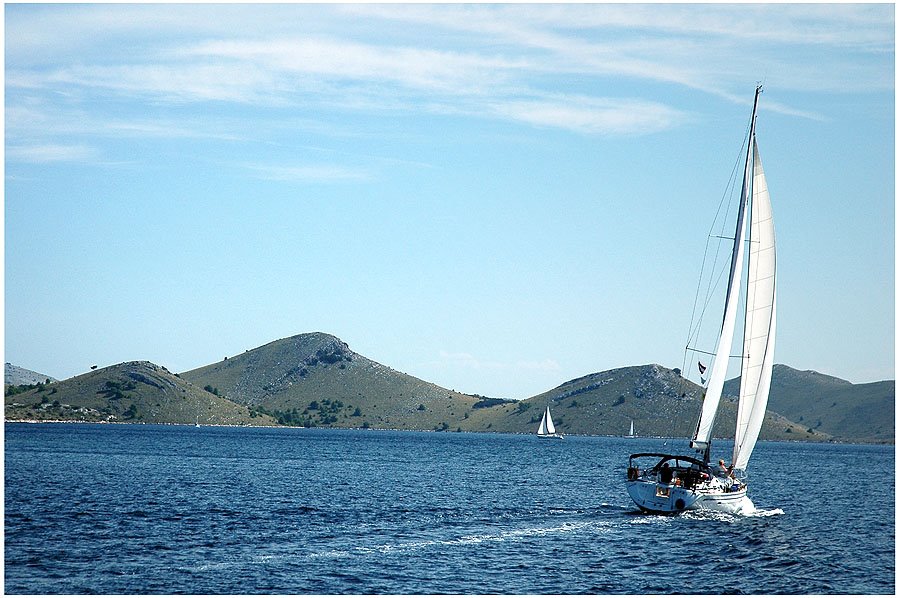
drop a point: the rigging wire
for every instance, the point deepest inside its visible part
(714, 280)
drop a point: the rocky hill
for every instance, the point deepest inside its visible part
(315, 379)
(137, 391)
(838, 408)
(13, 375)
(657, 399)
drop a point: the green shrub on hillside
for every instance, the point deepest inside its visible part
(116, 390)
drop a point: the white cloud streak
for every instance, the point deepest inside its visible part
(306, 173)
(590, 115)
(547, 66)
(47, 153)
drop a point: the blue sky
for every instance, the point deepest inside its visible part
(495, 198)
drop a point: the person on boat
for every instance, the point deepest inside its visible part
(665, 474)
(723, 471)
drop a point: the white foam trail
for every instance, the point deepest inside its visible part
(510, 535)
(764, 512)
(748, 509)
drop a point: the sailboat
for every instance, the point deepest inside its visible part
(631, 431)
(547, 429)
(668, 483)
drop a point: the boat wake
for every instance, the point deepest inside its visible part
(763, 512)
(748, 509)
(503, 536)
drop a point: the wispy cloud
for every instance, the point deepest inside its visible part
(306, 173)
(547, 66)
(411, 67)
(44, 119)
(172, 82)
(361, 77)
(45, 153)
(602, 116)
(710, 50)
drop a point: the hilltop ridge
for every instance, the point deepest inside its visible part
(830, 405)
(14, 375)
(315, 379)
(134, 391)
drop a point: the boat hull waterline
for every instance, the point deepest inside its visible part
(667, 484)
(669, 499)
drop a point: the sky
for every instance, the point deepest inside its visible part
(497, 198)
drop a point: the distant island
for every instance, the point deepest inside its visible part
(316, 380)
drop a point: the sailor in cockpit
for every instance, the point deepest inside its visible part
(722, 471)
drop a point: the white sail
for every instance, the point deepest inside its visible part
(631, 431)
(759, 325)
(542, 429)
(551, 429)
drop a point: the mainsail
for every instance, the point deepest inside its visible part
(759, 317)
(546, 426)
(759, 327)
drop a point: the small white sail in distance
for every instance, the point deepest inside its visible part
(546, 428)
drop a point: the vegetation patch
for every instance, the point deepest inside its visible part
(14, 389)
(322, 413)
(116, 390)
(489, 402)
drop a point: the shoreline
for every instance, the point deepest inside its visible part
(372, 429)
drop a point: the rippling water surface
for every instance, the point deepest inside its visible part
(164, 509)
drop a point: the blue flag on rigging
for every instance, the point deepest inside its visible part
(701, 367)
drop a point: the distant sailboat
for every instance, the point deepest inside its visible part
(631, 431)
(675, 483)
(547, 429)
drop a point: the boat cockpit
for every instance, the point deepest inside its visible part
(679, 470)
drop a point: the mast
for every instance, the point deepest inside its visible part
(703, 434)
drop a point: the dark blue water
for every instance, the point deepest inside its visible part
(166, 509)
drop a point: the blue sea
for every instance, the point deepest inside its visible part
(143, 509)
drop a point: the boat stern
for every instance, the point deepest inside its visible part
(652, 497)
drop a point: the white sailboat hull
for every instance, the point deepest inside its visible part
(653, 497)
